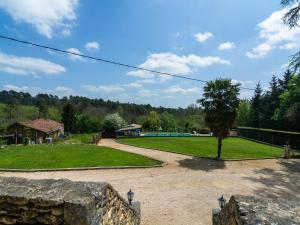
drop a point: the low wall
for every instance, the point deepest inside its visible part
(64, 202)
(249, 210)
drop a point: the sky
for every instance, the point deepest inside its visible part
(245, 41)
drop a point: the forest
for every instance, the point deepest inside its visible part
(274, 107)
(90, 113)
(278, 107)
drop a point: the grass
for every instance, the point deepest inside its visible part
(68, 156)
(80, 138)
(233, 148)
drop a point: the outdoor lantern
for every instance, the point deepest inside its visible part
(222, 202)
(130, 195)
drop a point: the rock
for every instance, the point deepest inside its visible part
(62, 202)
(7, 220)
(250, 210)
(57, 211)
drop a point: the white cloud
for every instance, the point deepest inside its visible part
(289, 46)
(177, 48)
(275, 35)
(178, 34)
(246, 94)
(103, 88)
(58, 91)
(205, 61)
(134, 85)
(179, 90)
(174, 64)
(146, 81)
(202, 37)
(75, 57)
(140, 83)
(92, 46)
(63, 91)
(226, 45)
(12, 87)
(260, 51)
(244, 83)
(66, 32)
(47, 16)
(285, 66)
(28, 65)
(146, 93)
(141, 74)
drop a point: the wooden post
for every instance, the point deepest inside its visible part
(272, 139)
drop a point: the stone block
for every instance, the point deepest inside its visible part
(250, 210)
(63, 202)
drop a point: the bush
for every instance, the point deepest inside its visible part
(2, 143)
(112, 122)
(26, 141)
(274, 137)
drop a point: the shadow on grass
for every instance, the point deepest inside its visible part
(280, 183)
(202, 164)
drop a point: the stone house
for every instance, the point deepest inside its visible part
(37, 130)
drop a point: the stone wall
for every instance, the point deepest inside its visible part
(249, 210)
(62, 202)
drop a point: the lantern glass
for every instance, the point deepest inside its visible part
(222, 202)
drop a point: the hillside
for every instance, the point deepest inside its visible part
(16, 106)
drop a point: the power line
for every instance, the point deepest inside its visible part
(104, 60)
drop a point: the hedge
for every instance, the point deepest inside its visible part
(274, 137)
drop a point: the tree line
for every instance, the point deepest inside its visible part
(276, 108)
(89, 113)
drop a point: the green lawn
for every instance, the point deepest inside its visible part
(68, 156)
(233, 148)
(80, 138)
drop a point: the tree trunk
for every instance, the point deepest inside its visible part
(219, 147)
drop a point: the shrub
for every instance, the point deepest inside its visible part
(112, 122)
(2, 143)
(26, 141)
(275, 137)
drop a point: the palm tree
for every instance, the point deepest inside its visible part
(220, 102)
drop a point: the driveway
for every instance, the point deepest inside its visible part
(184, 191)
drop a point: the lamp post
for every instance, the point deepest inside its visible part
(130, 195)
(222, 202)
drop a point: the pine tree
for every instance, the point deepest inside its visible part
(255, 109)
(283, 84)
(270, 103)
(69, 118)
(42, 107)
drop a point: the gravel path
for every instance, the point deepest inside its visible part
(184, 191)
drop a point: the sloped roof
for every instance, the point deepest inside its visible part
(130, 127)
(44, 125)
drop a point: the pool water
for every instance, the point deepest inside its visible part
(167, 135)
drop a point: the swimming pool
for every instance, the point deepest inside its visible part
(167, 135)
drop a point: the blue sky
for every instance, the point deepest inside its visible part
(242, 40)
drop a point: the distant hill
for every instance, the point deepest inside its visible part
(23, 106)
